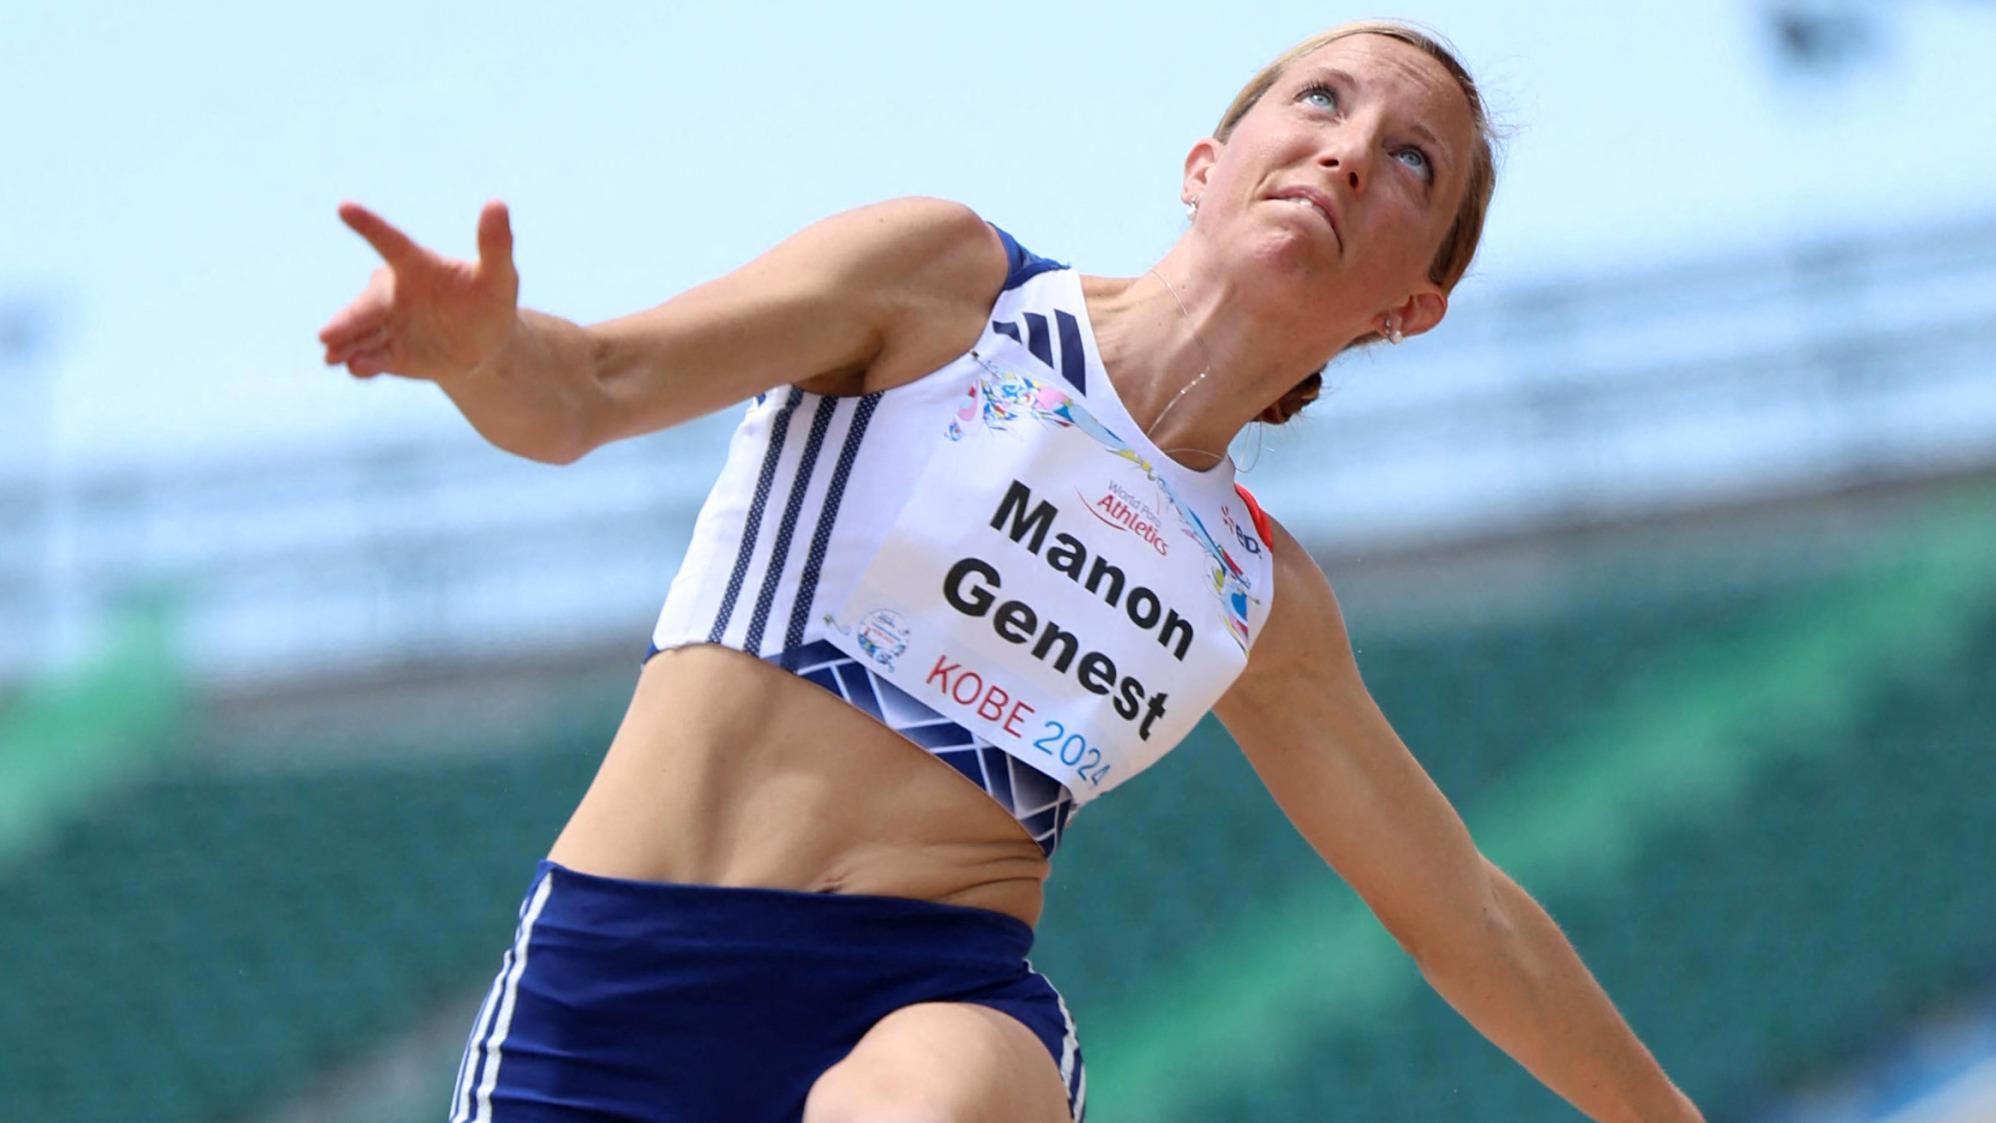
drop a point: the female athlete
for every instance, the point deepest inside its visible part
(977, 523)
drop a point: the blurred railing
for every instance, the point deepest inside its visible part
(1835, 364)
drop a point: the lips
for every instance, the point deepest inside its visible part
(1317, 201)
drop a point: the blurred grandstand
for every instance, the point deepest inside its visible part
(1682, 585)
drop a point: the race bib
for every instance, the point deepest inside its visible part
(1048, 587)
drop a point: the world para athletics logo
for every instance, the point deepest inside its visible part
(1123, 510)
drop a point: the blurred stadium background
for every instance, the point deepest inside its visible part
(1681, 581)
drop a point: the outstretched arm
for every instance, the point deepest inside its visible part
(1352, 789)
(831, 301)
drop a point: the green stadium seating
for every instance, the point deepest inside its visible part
(206, 941)
(209, 939)
(1793, 939)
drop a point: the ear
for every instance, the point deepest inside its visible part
(1198, 165)
(1420, 312)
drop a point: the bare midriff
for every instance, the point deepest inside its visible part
(728, 770)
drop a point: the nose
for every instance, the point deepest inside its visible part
(1346, 158)
(1348, 167)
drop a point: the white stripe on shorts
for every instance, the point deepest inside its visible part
(1070, 1052)
(503, 1021)
(460, 1103)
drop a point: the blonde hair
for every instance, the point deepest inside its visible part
(1458, 245)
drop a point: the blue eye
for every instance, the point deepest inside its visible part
(1416, 159)
(1319, 94)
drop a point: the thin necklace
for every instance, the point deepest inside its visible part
(1196, 380)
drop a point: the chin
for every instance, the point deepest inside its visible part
(1281, 260)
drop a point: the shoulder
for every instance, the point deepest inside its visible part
(1301, 686)
(918, 246)
(930, 270)
(1305, 636)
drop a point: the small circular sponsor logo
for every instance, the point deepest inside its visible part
(883, 635)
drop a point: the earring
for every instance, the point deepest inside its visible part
(1191, 209)
(1393, 333)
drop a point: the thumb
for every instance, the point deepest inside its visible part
(495, 238)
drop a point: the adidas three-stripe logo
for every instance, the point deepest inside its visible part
(782, 550)
(1039, 341)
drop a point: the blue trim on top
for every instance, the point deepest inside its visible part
(1024, 263)
(1038, 801)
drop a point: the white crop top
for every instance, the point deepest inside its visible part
(991, 560)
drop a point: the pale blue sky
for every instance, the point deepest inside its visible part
(171, 171)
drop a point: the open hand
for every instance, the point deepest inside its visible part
(423, 315)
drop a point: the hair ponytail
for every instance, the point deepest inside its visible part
(1292, 403)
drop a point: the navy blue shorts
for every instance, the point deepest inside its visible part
(642, 1002)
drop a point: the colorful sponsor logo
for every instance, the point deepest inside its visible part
(1121, 509)
(1249, 542)
(883, 635)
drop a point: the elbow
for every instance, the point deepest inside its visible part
(1481, 924)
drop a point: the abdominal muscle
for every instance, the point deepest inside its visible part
(728, 770)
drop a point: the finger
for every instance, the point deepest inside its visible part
(394, 246)
(349, 330)
(368, 311)
(495, 237)
(338, 351)
(350, 323)
(367, 364)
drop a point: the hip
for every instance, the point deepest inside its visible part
(656, 1002)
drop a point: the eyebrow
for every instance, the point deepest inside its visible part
(1436, 150)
